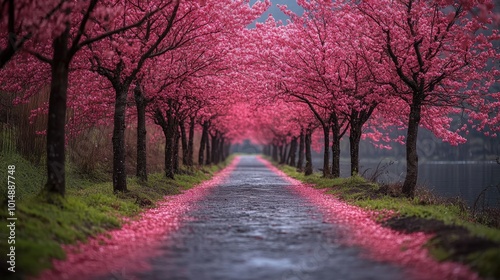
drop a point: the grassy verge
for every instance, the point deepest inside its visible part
(458, 235)
(90, 208)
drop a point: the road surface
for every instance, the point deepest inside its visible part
(252, 226)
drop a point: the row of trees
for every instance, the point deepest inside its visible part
(169, 57)
(342, 68)
(365, 67)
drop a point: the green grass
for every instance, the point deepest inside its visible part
(358, 191)
(89, 208)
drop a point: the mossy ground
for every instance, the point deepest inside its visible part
(458, 234)
(90, 207)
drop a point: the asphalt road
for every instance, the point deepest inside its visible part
(253, 227)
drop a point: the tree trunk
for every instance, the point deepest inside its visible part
(326, 151)
(119, 171)
(170, 145)
(190, 148)
(300, 161)
(335, 148)
(203, 143)
(56, 175)
(410, 182)
(309, 169)
(275, 153)
(215, 148)
(286, 152)
(184, 143)
(222, 150)
(140, 103)
(208, 159)
(282, 154)
(168, 126)
(175, 157)
(354, 139)
(227, 148)
(293, 151)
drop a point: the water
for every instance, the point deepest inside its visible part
(464, 179)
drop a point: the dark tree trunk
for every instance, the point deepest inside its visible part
(190, 148)
(354, 139)
(300, 161)
(222, 150)
(410, 182)
(56, 174)
(203, 143)
(175, 156)
(275, 153)
(227, 148)
(286, 153)
(335, 148)
(357, 120)
(168, 126)
(119, 171)
(140, 103)
(208, 159)
(170, 142)
(184, 144)
(282, 154)
(168, 153)
(293, 152)
(309, 169)
(215, 148)
(326, 151)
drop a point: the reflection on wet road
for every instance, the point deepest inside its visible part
(253, 227)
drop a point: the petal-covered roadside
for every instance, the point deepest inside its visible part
(126, 250)
(378, 242)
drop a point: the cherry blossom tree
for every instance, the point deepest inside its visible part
(69, 29)
(434, 59)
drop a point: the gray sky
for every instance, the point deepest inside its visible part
(275, 11)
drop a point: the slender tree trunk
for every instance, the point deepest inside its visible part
(309, 168)
(326, 151)
(228, 148)
(169, 126)
(203, 143)
(190, 148)
(184, 143)
(300, 161)
(140, 102)
(282, 156)
(410, 182)
(175, 157)
(222, 150)
(354, 139)
(215, 145)
(208, 159)
(275, 153)
(167, 132)
(286, 152)
(293, 152)
(335, 148)
(56, 174)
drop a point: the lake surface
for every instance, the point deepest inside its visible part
(464, 179)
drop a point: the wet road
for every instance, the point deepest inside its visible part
(253, 227)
